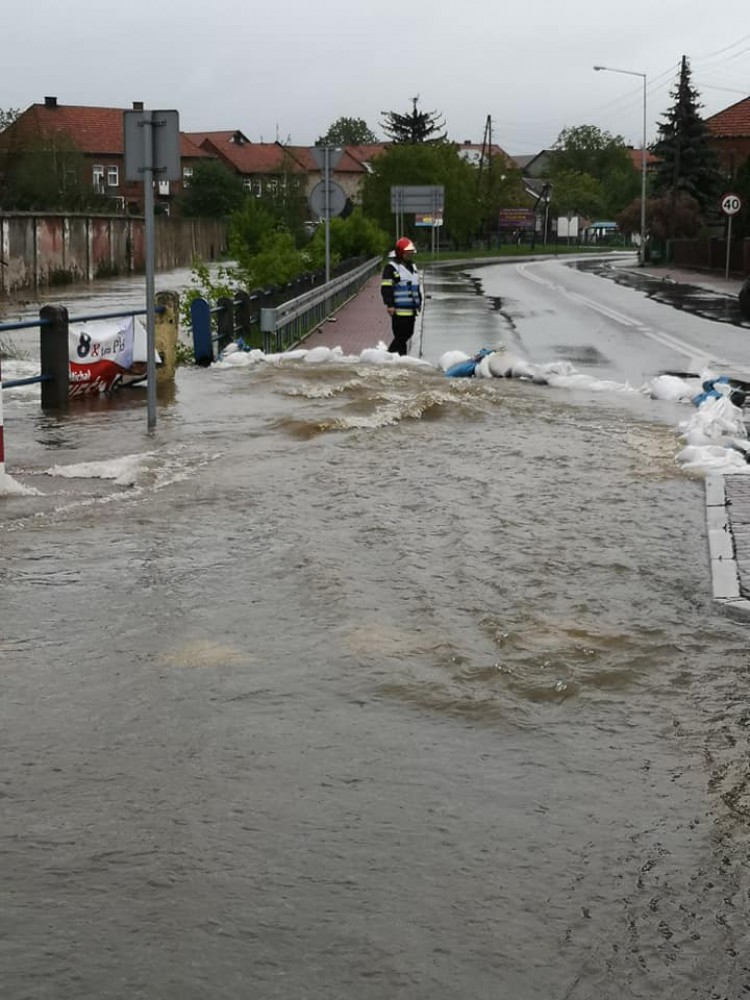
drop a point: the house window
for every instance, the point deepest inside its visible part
(98, 177)
(272, 187)
(163, 188)
(247, 183)
(187, 173)
(113, 177)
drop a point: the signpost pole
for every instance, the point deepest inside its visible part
(148, 209)
(327, 203)
(151, 141)
(729, 244)
(730, 205)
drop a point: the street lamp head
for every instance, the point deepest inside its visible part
(597, 68)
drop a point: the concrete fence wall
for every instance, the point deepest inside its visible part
(40, 250)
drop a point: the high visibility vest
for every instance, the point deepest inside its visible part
(407, 295)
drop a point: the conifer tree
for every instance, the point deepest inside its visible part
(414, 127)
(688, 164)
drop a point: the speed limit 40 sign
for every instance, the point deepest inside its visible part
(731, 204)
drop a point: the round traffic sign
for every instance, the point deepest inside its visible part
(336, 199)
(731, 204)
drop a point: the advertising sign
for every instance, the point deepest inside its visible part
(106, 353)
(430, 221)
(516, 218)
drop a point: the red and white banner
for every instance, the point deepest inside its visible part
(106, 353)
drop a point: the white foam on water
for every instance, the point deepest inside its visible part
(124, 471)
(11, 487)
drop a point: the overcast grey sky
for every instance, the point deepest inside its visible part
(288, 68)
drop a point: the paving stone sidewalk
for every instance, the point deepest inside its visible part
(361, 323)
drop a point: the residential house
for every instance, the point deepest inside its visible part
(97, 133)
(730, 135)
(266, 166)
(263, 166)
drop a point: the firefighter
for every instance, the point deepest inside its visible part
(401, 294)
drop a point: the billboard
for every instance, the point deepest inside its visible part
(516, 218)
(430, 221)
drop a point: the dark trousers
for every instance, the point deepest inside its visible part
(403, 328)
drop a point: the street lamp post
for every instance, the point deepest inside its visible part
(630, 72)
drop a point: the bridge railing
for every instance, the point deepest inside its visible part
(264, 319)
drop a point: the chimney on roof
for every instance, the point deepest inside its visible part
(467, 142)
(50, 102)
(137, 105)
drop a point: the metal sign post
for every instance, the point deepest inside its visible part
(331, 194)
(730, 206)
(152, 146)
(417, 200)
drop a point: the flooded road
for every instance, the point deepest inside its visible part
(355, 681)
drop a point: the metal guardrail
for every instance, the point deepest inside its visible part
(248, 318)
(289, 323)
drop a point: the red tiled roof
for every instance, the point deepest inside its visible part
(251, 157)
(221, 138)
(732, 121)
(345, 164)
(368, 152)
(636, 158)
(267, 157)
(96, 131)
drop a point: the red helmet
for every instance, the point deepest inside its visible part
(404, 245)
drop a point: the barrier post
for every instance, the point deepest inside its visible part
(54, 353)
(200, 320)
(243, 316)
(224, 323)
(165, 334)
(268, 329)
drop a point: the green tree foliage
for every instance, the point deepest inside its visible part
(586, 149)
(8, 116)
(347, 132)
(688, 164)
(425, 164)
(214, 192)
(619, 188)
(48, 175)
(355, 236)
(575, 193)
(595, 156)
(265, 253)
(499, 185)
(250, 226)
(415, 126)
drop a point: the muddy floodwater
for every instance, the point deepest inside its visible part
(360, 682)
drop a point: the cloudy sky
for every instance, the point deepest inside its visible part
(286, 69)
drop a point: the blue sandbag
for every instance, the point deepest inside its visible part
(465, 369)
(709, 390)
